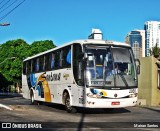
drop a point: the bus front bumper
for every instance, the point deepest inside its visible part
(110, 103)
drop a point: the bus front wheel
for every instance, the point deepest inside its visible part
(68, 107)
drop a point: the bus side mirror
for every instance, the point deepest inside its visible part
(138, 69)
(137, 66)
(79, 70)
(84, 63)
(80, 74)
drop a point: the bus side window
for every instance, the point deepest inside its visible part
(66, 63)
(47, 62)
(68, 58)
(61, 59)
(37, 64)
(28, 67)
(32, 66)
(57, 59)
(52, 60)
(41, 61)
(24, 68)
(44, 63)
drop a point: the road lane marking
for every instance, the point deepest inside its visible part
(6, 107)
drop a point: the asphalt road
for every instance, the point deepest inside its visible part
(51, 116)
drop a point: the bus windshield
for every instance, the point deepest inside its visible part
(110, 67)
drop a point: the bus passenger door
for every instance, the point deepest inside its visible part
(78, 72)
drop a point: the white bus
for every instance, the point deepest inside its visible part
(84, 73)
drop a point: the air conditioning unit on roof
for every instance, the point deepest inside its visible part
(96, 34)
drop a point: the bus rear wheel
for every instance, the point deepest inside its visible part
(32, 98)
(68, 107)
(33, 101)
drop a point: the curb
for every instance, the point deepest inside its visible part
(9, 93)
(6, 107)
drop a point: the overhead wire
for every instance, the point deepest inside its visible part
(4, 4)
(4, 16)
(8, 6)
(2, 1)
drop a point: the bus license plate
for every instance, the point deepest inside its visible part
(115, 103)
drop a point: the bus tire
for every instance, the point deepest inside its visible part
(32, 97)
(68, 107)
(33, 101)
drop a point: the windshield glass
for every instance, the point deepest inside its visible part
(110, 66)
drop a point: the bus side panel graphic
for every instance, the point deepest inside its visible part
(40, 84)
(45, 88)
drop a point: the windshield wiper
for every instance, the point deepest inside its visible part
(123, 78)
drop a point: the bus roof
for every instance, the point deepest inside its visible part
(87, 41)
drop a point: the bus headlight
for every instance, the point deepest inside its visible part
(94, 95)
(133, 95)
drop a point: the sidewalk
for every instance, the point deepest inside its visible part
(153, 108)
(2, 94)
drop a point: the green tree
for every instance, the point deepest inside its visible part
(11, 70)
(40, 46)
(155, 51)
(3, 82)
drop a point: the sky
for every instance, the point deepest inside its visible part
(66, 20)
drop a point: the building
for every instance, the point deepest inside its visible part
(136, 39)
(127, 39)
(152, 35)
(149, 82)
(142, 33)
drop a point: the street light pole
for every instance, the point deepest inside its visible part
(4, 24)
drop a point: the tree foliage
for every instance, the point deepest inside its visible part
(40, 46)
(155, 51)
(12, 54)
